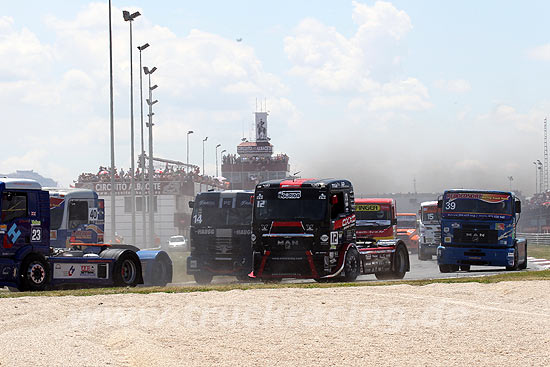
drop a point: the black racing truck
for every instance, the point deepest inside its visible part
(220, 235)
(305, 228)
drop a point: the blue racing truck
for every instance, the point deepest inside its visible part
(478, 227)
(43, 249)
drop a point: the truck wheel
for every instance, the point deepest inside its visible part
(515, 265)
(448, 268)
(524, 263)
(203, 277)
(422, 255)
(125, 272)
(160, 276)
(465, 267)
(351, 266)
(35, 273)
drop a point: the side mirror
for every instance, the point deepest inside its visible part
(518, 206)
(191, 204)
(394, 222)
(440, 203)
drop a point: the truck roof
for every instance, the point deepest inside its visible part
(73, 192)
(404, 214)
(305, 182)
(19, 183)
(374, 200)
(481, 191)
(429, 203)
(227, 193)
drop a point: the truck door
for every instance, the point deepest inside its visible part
(15, 222)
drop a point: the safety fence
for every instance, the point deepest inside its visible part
(536, 238)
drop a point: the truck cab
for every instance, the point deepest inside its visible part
(220, 235)
(306, 228)
(429, 228)
(407, 230)
(478, 227)
(375, 219)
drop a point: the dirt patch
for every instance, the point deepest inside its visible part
(438, 324)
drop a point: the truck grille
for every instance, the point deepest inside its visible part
(222, 246)
(475, 236)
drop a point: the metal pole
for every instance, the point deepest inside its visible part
(203, 174)
(217, 146)
(151, 171)
(142, 159)
(113, 211)
(536, 177)
(133, 167)
(189, 132)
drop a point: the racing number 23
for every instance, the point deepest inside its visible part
(36, 234)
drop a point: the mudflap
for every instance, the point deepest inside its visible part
(156, 267)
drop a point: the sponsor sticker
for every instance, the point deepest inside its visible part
(296, 194)
(447, 239)
(367, 208)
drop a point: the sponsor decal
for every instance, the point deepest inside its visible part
(35, 223)
(82, 235)
(260, 196)
(500, 226)
(87, 270)
(53, 234)
(14, 233)
(322, 196)
(447, 239)
(344, 222)
(253, 237)
(367, 207)
(455, 225)
(3, 227)
(33, 214)
(487, 197)
(289, 194)
(288, 244)
(446, 229)
(242, 232)
(78, 270)
(324, 238)
(309, 227)
(205, 231)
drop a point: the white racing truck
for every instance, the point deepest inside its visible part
(430, 230)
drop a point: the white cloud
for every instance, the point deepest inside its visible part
(540, 52)
(453, 86)
(363, 64)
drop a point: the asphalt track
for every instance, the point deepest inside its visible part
(420, 270)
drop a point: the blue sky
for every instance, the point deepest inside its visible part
(450, 93)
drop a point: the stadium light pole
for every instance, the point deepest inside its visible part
(203, 141)
(541, 181)
(142, 157)
(536, 177)
(217, 146)
(221, 156)
(150, 102)
(130, 18)
(112, 132)
(188, 133)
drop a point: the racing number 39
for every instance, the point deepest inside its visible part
(450, 205)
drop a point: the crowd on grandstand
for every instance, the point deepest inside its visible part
(538, 200)
(235, 159)
(169, 173)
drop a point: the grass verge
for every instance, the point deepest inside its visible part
(504, 277)
(539, 251)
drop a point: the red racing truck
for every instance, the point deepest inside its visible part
(406, 230)
(306, 228)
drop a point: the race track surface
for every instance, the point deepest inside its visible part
(472, 324)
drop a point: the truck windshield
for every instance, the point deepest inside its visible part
(406, 221)
(372, 215)
(477, 205)
(291, 205)
(209, 210)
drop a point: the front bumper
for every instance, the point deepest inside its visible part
(475, 256)
(228, 266)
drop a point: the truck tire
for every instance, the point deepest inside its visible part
(422, 255)
(515, 265)
(399, 265)
(448, 268)
(35, 273)
(203, 277)
(125, 271)
(160, 274)
(523, 265)
(352, 265)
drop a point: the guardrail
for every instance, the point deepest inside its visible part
(536, 238)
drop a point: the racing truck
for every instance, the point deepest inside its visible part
(375, 224)
(478, 227)
(220, 235)
(306, 228)
(430, 230)
(406, 230)
(28, 261)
